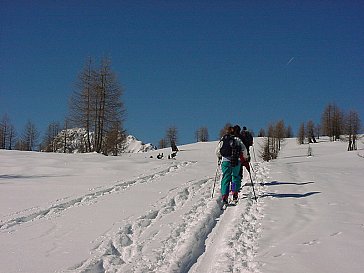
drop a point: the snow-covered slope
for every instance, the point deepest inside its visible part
(136, 213)
(314, 210)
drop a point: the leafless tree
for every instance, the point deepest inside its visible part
(261, 133)
(7, 133)
(11, 137)
(317, 130)
(162, 143)
(268, 150)
(352, 127)
(289, 132)
(202, 134)
(65, 136)
(3, 131)
(96, 104)
(114, 140)
(332, 121)
(280, 133)
(52, 132)
(172, 136)
(82, 102)
(20, 145)
(30, 136)
(273, 140)
(301, 134)
(109, 107)
(310, 132)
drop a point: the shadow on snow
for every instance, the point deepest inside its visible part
(277, 183)
(290, 195)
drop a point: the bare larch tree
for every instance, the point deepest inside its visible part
(96, 105)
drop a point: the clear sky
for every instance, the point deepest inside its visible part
(185, 63)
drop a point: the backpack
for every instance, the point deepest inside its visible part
(230, 149)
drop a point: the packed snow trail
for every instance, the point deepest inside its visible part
(200, 238)
(232, 244)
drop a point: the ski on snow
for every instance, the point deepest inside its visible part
(231, 203)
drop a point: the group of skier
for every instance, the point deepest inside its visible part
(233, 153)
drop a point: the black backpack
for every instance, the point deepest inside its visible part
(230, 149)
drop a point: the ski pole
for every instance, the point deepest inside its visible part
(213, 188)
(251, 180)
(251, 166)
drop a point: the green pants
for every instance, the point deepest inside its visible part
(230, 175)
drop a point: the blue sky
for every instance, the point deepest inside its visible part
(185, 63)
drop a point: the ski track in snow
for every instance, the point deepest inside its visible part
(202, 238)
(60, 206)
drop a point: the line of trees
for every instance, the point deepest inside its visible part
(335, 123)
(10, 140)
(96, 106)
(7, 133)
(274, 137)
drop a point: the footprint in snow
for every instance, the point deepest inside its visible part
(310, 243)
(335, 234)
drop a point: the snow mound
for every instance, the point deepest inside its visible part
(74, 141)
(133, 145)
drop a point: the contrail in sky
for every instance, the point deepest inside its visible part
(291, 60)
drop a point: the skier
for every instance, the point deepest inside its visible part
(247, 138)
(228, 151)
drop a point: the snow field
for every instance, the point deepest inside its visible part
(135, 213)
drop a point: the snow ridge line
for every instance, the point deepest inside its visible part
(123, 251)
(90, 198)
